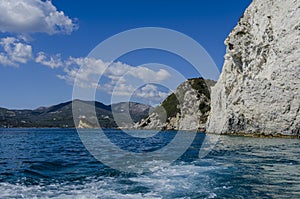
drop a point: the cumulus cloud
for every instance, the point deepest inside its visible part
(149, 75)
(119, 69)
(91, 68)
(50, 61)
(87, 76)
(118, 76)
(4, 60)
(151, 91)
(15, 51)
(29, 16)
(151, 94)
(122, 89)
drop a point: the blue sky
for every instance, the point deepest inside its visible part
(43, 42)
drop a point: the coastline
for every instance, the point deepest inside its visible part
(258, 135)
(240, 134)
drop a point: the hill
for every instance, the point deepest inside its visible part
(186, 109)
(61, 116)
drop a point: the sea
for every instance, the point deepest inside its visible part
(54, 163)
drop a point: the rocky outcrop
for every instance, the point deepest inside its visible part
(85, 124)
(258, 90)
(186, 109)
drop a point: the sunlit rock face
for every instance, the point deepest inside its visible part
(185, 109)
(258, 90)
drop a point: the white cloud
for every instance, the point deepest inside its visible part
(87, 76)
(51, 61)
(28, 16)
(15, 51)
(122, 89)
(148, 94)
(118, 69)
(149, 75)
(151, 91)
(90, 68)
(4, 60)
(119, 76)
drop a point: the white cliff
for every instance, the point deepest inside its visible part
(258, 90)
(186, 109)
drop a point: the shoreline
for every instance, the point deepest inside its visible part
(250, 135)
(258, 135)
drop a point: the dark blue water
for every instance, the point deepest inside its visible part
(53, 163)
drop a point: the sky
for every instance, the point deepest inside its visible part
(44, 47)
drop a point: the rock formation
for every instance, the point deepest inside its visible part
(186, 109)
(258, 90)
(85, 124)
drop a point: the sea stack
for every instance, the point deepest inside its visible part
(258, 90)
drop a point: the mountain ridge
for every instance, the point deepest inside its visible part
(61, 115)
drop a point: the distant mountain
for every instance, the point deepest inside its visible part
(126, 114)
(61, 116)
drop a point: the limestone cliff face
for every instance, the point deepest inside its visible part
(258, 90)
(186, 109)
(84, 124)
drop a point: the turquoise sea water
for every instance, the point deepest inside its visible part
(53, 163)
